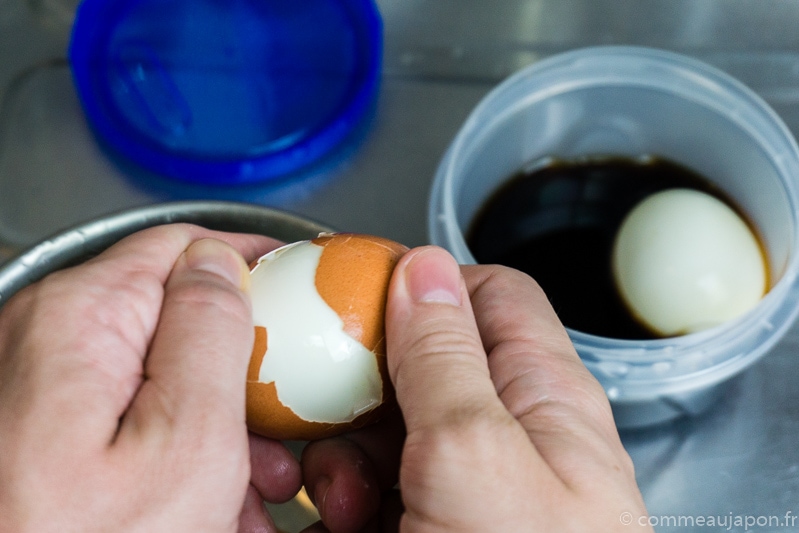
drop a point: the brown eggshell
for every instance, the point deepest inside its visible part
(352, 278)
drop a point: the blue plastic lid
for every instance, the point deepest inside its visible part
(225, 91)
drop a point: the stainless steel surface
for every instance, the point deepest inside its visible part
(738, 463)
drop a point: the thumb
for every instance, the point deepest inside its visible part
(196, 366)
(435, 356)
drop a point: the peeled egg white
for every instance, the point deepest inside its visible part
(685, 261)
(318, 365)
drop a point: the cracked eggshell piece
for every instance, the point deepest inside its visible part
(318, 366)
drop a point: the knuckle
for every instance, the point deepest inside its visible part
(440, 337)
(470, 435)
(503, 276)
(209, 297)
(435, 348)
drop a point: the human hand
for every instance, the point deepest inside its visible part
(506, 429)
(122, 393)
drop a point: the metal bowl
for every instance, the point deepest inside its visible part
(84, 241)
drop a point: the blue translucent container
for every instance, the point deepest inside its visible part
(232, 91)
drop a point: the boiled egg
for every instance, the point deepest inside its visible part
(318, 365)
(685, 261)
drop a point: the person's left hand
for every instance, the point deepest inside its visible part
(122, 393)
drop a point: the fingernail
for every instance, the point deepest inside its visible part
(433, 276)
(216, 257)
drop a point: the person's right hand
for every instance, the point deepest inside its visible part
(507, 431)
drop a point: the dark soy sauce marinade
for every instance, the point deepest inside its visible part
(558, 222)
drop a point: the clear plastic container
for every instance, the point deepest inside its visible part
(633, 101)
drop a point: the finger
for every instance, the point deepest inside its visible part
(254, 518)
(196, 367)
(99, 317)
(532, 352)
(346, 476)
(387, 519)
(156, 249)
(379, 444)
(435, 356)
(276, 473)
(343, 484)
(131, 275)
(539, 376)
(462, 445)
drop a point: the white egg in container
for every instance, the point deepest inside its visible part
(685, 261)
